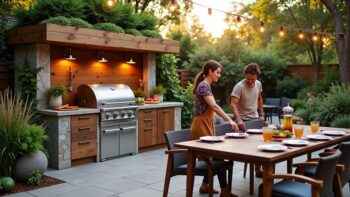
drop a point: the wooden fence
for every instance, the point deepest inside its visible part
(184, 76)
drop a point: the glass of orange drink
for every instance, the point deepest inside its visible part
(298, 130)
(267, 133)
(315, 125)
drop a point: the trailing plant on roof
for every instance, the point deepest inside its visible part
(151, 33)
(109, 27)
(58, 20)
(134, 32)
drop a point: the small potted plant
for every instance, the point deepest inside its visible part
(55, 94)
(139, 97)
(158, 92)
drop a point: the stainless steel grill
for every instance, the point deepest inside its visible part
(118, 117)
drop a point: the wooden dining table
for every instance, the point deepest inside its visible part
(246, 150)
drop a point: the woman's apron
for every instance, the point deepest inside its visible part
(203, 125)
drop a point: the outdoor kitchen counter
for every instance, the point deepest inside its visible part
(80, 111)
(161, 105)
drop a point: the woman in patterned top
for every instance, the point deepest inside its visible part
(203, 122)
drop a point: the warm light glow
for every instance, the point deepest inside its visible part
(131, 61)
(110, 3)
(172, 6)
(281, 31)
(262, 27)
(314, 37)
(301, 35)
(324, 38)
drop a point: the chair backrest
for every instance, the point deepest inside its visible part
(172, 137)
(285, 101)
(222, 129)
(325, 171)
(273, 101)
(345, 160)
(253, 124)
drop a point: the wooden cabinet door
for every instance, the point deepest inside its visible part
(165, 123)
(147, 129)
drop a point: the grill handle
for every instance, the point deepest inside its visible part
(118, 130)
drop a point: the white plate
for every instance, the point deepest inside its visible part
(335, 133)
(237, 135)
(212, 138)
(256, 131)
(272, 147)
(318, 137)
(295, 142)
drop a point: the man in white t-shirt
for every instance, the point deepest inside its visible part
(246, 100)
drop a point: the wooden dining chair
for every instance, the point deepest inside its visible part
(344, 159)
(321, 185)
(177, 162)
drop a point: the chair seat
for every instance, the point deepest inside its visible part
(202, 167)
(291, 188)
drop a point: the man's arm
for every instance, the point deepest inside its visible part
(261, 108)
(234, 109)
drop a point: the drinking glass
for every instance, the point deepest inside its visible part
(315, 125)
(298, 131)
(267, 133)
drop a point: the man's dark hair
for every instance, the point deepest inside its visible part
(252, 68)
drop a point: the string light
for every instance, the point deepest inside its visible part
(172, 6)
(209, 11)
(238, 19)
(324, 38)
(314, 37)
(281, 31)
(301, 35)
(109, 3)
(262, 26)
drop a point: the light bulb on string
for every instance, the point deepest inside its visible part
(314, 37)
(239, 19)
(324, 38)
(300, 34)
(209, 11)
(172, 6)
(109, 4)
(281, 33)
(262, 26)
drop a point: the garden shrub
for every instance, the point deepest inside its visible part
(77, 22)
(34, 178)
(166, 75)
(151, 33)
(15, 115)
(32, 138)
(341, 121)
(134, 32)
(144, 21)
(109, 27)
(333, 104)
(58, 20)
(288, 87)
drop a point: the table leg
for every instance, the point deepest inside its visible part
(191, 163)
(289, 166)
(267, 186)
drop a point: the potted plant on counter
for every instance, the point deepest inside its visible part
(55, 94)
(139, 97)
(158, 92)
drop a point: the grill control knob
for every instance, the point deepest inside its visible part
(130, 114)
(123, 114)
(115, 115)
(108, 115)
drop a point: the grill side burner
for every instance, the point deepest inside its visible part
(118, 117)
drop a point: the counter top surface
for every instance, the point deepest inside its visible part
(161, 105)
(80, 111)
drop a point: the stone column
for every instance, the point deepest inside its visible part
(38, 56)
(149, 72)
(177, 118)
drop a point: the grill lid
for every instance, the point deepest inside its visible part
(104, 95)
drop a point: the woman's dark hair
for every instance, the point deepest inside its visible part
(209, 65)
(252, 68)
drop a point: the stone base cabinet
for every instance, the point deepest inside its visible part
(73, 137)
